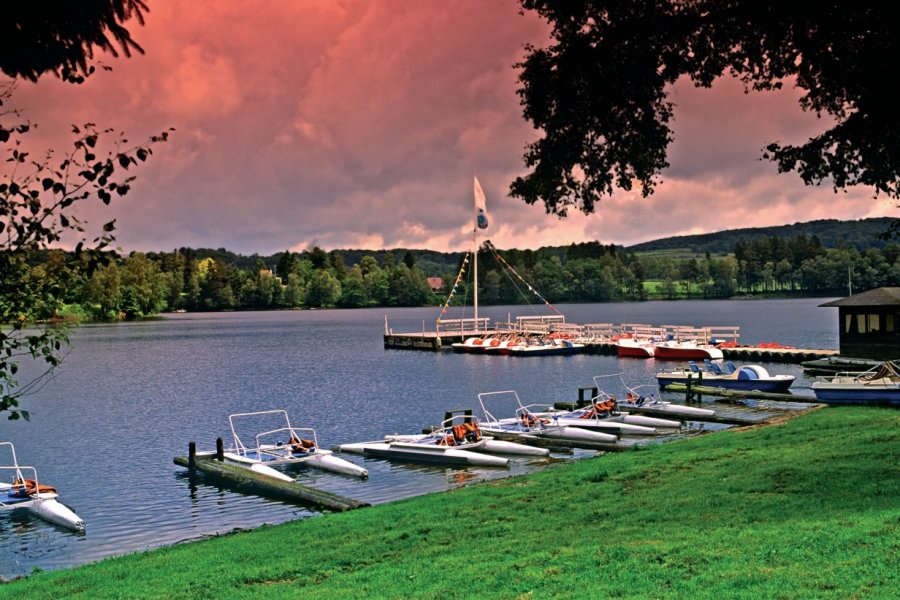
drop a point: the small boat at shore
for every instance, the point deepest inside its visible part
(283, 445)
(725, 375)
(602, 415)
(545, 346)
(880, 385)
(497, 344)
(634, 347)
(473, 345)
(251, 464)
(636, 400)
(830, 366)
(458, 441)
(39, 499)
(685, 350)
(526, 422)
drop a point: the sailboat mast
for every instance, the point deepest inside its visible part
(480, 222)
(475, 261)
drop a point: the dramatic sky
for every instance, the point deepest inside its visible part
(360, 124)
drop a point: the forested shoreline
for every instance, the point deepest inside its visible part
(110, 286)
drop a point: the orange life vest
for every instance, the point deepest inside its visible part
(29, 487)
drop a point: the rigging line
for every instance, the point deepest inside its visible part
(509, 276)
(530, 287)
(459, 275)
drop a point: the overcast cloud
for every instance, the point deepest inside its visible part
(360, 124)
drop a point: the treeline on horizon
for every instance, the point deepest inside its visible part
(110, 286)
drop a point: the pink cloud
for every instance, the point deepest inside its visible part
(361, 123)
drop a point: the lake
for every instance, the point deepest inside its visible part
(130, 396)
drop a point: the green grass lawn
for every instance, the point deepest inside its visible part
(807, 508)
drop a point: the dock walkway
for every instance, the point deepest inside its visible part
(598, 339)
(245, 481)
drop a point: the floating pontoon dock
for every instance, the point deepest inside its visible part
(598, 338)
(245, 481)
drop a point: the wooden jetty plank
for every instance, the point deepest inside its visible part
(430, 341)
(716, 391)
(246, 481)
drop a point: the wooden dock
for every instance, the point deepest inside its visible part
(598, 338)
(245, 481)
(436, 342)
(704, 390)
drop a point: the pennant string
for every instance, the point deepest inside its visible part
(525, 283)
(459, 276)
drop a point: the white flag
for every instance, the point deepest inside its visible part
(480, 208)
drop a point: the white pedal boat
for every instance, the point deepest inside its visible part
(610, 424)
(283, 445)
(40, 500)
(458, 441)
(526, 423)
(250, 464)
(424, 452)
(636, 400)
(490, 445)
(600, 415)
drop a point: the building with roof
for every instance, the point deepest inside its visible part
(868, 324)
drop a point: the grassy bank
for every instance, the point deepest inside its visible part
(809, 508)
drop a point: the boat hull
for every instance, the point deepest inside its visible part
(630, 349)
(250, 464)
(578, 434)
(503, 447)
(847, 394)
(442, 455)
(50, 509)
(664, 352)
(650, 421)
(605, 425)
(552, 432)
(676, 410)
(326, 461)
(779, 384)
(548, 350)
(832, 365)
(485, 444)
(471, 345)
(320, 459)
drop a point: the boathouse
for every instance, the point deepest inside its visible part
(868, 324)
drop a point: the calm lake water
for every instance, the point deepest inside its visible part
(129, 397)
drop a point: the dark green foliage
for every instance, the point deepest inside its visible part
(864, 233)
(111, 286)
(599, 92)
(37, 38)
(38, 198)
(39, 195)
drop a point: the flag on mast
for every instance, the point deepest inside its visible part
(480, 208)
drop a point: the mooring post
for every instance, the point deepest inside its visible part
(220, 450)
(581, 401)
(192, 458)
(687, 389)
(700, 384)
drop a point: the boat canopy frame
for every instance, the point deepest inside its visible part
(272, 449)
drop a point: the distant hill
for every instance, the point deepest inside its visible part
(862, 234)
